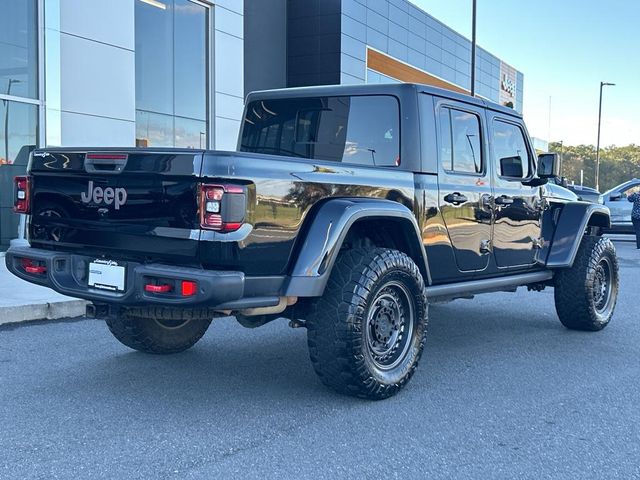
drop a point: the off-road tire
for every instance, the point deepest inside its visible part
(579, 298)
(160, 330)
(337, 323)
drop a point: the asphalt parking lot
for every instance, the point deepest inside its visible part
(503, 391)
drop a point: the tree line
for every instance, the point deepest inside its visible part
(617, 164)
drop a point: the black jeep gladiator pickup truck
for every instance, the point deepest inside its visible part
(346, 209)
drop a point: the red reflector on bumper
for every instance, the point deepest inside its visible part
(189, 288)
(33, 266)
(231, 227)
(35, 269)
(157, 288)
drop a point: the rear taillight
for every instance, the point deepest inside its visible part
(222, 207)
(22, 195)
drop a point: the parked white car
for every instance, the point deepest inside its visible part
(616, 200)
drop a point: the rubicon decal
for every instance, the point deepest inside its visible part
(106, 196)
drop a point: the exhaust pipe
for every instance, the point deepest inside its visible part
(281, 307)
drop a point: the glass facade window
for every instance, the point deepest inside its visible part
(18, 48)
(18, 137)
(363, 130)
(172, 51)
(18, 131)
(18, 102)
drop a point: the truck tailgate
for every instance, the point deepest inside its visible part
(139, 204)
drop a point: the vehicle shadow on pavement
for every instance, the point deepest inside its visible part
(271, 364)
(229, 364)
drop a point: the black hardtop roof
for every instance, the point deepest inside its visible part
(398, 89)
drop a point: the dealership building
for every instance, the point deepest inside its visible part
(174, 73)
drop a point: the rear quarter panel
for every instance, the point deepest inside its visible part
(284, 194)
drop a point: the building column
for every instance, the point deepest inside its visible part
(89, 73)
(228, 72)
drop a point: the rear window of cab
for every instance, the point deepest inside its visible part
(361, 130)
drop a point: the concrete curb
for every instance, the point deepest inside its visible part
(42, 311)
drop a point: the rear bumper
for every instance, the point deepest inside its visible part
(67, 274)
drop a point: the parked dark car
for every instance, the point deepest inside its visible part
(587, 194)
(346, 209)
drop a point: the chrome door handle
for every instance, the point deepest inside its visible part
(455, 198)
(504, 200)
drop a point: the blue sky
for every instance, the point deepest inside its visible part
(564, 48)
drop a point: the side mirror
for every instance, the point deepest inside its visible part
(615, 197)
(548, 165)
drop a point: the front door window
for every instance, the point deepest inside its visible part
(517, 227)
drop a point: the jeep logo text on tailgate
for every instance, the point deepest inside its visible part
(99, 195)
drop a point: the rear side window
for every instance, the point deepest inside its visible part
(511, 152)
(363, 130)
(460, 143)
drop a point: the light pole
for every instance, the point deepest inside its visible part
(602, 84)
(561, 157)
(473, 50)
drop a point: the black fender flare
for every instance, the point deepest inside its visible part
(329, 228)
(573, 221)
